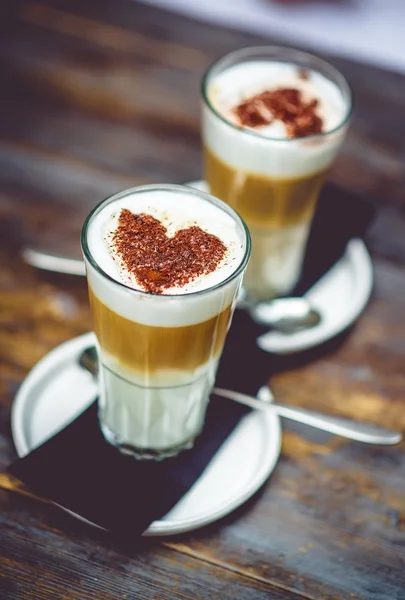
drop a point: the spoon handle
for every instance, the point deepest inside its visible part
(354, 430)
(348, 428)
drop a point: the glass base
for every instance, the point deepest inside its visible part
(144, 453)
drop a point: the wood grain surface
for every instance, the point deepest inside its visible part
(98, 96)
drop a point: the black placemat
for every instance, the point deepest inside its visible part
(341, 215)
(79, 470)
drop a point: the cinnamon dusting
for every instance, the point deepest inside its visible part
(286, 104)
(159, 262)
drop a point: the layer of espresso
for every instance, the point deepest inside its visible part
(148, 349)
(263, 201)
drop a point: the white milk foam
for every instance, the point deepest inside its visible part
(176, 209)
(241, 82)
(269, 151)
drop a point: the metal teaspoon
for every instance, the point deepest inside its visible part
(348, 428)
(287, 315)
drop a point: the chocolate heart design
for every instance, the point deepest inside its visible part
(286, 104)
(159, 262)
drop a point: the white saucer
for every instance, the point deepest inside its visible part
(340, 296)
(57, 389)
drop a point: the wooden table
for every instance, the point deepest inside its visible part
(100, 95)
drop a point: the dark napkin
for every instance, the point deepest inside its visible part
(341, 215)
(79, 470)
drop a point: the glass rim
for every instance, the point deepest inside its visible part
(173, 188)
(256, 50)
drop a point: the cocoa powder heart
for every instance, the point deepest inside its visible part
(288, 105)
(159, 262)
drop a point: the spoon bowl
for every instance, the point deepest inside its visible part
(287, 315)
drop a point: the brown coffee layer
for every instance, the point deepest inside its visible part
(148, 349)
(261, 200)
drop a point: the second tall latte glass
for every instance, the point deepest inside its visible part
(159, 352)
(272, 179)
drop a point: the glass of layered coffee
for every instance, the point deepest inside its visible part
(273, 122)
(164, 267)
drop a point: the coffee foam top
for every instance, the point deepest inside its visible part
(175, 210)
(239, 83)
(270, 151)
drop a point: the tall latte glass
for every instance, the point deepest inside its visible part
(273, 122)
(164, 267)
